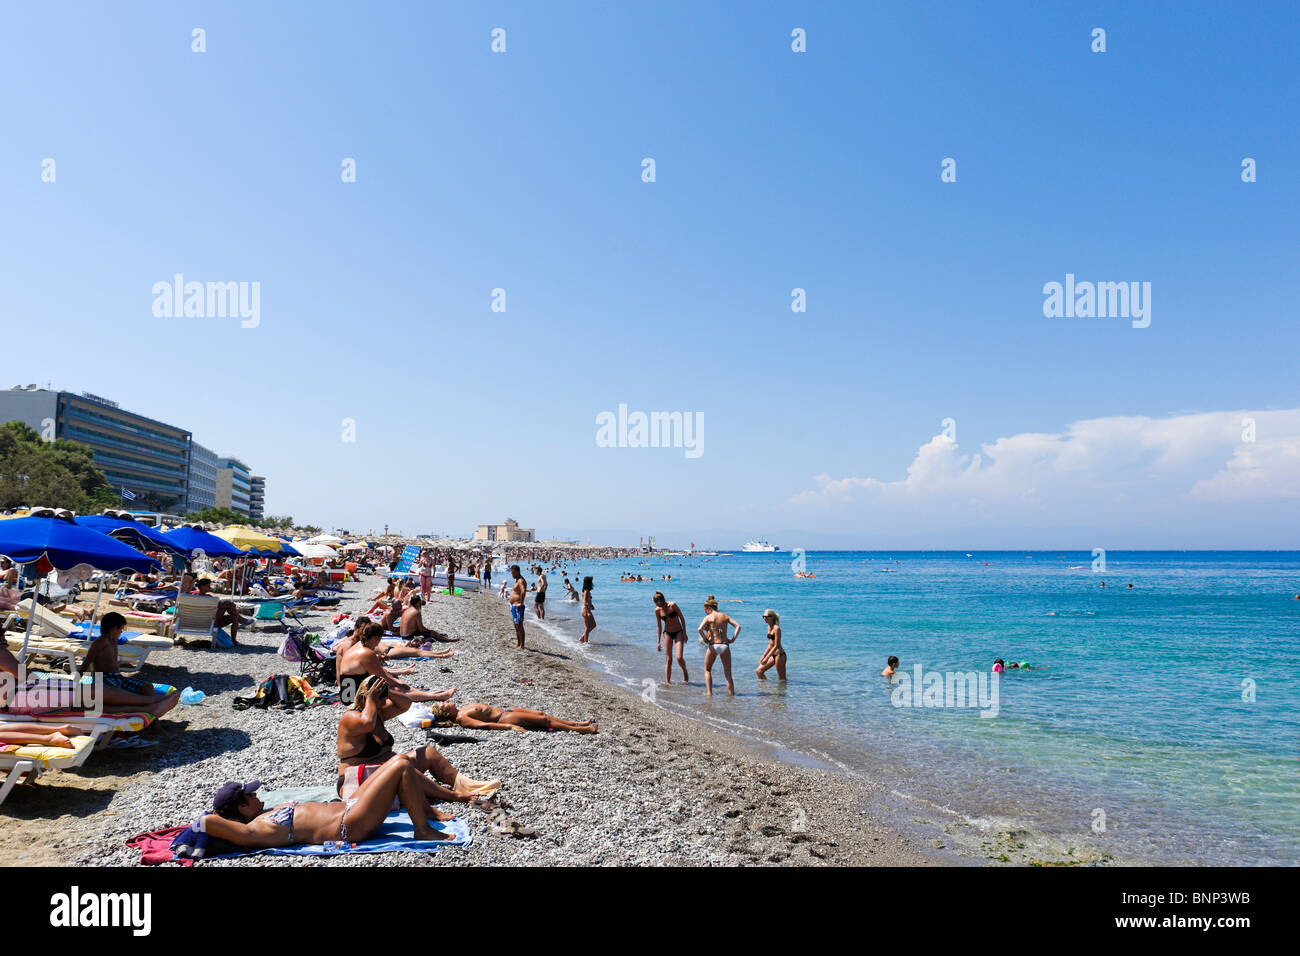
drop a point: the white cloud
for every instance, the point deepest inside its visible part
(1102, 472)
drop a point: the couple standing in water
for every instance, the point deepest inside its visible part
(670, 624)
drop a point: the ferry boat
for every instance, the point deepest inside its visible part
(760, 546)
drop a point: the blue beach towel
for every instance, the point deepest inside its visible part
(396, 834)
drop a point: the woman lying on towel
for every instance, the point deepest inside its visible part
(364, 744)
(362, 659)
(487, 717)
(242, 819)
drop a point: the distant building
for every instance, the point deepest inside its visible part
(234, 485)
(149, 458)
(257, 497)
(510, 531)
(203, 479)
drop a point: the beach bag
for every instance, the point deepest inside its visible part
(222, 640)
(290, 650)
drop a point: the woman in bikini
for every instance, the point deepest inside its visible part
(364, 744)
(670, 628)
(486, 717)
(242, 819)
(588, 618)
(425, 567)
(362, 660)
(774, 656)
(713, 635)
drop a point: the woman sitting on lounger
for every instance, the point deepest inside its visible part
(362, 660)
(242, 819)
(364, 744)
(487, 717)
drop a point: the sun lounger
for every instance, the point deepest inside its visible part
(195, 617)
(132, 649)
(24, 763)
(46, 619)
(111, 725)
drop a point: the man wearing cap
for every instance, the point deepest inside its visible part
(239, 817)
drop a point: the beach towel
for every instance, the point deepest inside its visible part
(396, 834)
(156, 846)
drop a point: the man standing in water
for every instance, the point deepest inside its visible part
(539, 602)
(517, 595)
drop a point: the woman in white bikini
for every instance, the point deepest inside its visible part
(713, 635)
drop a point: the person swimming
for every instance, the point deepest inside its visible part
(891, 666)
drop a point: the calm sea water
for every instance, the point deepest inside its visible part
(1172, 706)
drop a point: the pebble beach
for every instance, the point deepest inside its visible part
(651, 788)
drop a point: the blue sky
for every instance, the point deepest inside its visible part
(775, 170)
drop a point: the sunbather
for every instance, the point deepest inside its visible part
(40, 735)
(242, 819)
(364, 744)
(486, 717)
(413, 628)
(227, 612)
(120, 691)
(362, 660)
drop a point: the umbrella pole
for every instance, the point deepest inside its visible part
(27, 636)
(94, 615)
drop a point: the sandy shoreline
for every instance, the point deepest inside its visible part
(652, 788)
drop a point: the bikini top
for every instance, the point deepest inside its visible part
(283, 817)
(376, 743)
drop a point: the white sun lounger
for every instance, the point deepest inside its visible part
(27, 762)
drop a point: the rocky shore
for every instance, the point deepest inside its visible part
(651, 788)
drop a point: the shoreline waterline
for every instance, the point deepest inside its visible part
(1124, 738)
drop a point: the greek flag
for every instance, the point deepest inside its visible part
(127, 496)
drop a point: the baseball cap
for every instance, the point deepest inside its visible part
(232, 793)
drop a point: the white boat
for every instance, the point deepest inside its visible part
(760, 545)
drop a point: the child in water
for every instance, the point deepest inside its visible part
(891, 665)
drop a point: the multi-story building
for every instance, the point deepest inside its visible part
(257, 498)
(148, 458)
(234, 485)
(510, 531)
(203, 478)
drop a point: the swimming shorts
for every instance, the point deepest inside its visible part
(541, 598)
(517, 613)
(132, 685)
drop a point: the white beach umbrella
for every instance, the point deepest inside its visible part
(309, 549)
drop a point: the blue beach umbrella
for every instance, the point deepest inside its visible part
(65, 544)
(190, 539)
(135, 533)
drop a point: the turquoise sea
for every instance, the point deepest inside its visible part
(1173, 706)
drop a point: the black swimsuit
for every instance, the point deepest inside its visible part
(376, 743)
